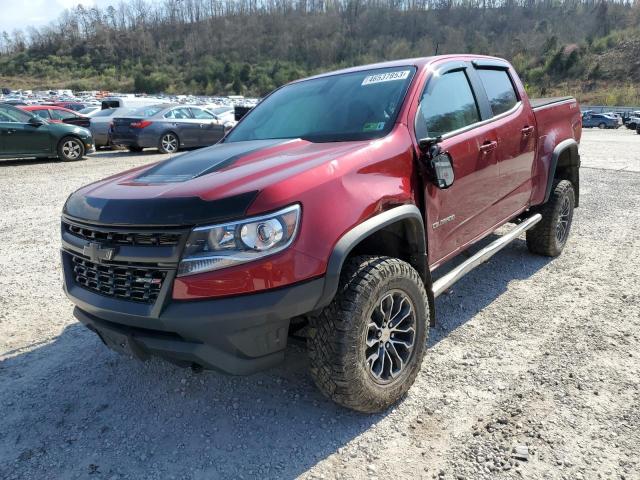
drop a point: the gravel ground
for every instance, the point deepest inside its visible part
(532, 372)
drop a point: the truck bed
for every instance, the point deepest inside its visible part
(545, 101)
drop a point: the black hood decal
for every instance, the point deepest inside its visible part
(202, 162)
(179, 211)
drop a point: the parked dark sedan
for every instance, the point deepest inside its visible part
(167, 127)
(24, 135)
(600, 120)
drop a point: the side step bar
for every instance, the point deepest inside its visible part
(444, 282)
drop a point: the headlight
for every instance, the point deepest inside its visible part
(221, 246)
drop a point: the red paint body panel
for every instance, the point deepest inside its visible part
(341, 184)
(33, 108)
(554, 124)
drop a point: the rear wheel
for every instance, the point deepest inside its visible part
(601, 125)
(169, 143)
(366, 347)
(70, 149)
(550, 235)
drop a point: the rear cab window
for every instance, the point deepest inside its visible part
(500, 90)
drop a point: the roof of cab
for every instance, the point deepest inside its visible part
(417, 62)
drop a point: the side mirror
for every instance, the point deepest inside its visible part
(228, 126)
(36, 122)
(443, 170)
(438, 163)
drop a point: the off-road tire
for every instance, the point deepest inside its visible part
(542, 238)
(162, 143)
(70, 149)
(135, 149)
(337, 337)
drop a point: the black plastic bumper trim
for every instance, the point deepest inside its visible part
(237, 335)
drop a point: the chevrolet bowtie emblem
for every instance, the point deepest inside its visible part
(96, 253)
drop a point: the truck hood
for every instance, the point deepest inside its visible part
(212, 184)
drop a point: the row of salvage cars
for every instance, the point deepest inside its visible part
(47, 131)
(167, 127)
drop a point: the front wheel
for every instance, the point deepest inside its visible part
(550, 235)
(70, 149)
(366, 347)
(169, 143)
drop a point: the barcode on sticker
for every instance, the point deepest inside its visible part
(385, 77)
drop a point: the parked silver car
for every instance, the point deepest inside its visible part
(167, 127)
(101, 123)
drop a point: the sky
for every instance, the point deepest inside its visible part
(21, 14)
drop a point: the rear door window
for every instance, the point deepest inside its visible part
(499, 88)
(201, 114)
(450, 105)
(178, 113)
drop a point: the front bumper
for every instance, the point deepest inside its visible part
(237, 335)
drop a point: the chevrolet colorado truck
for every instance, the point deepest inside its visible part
(324, 214)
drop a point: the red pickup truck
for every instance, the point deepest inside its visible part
(323, 214)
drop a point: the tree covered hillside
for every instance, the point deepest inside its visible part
(587, 48)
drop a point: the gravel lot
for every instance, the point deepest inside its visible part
(534, 355)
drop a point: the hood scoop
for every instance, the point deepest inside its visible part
(202, 162)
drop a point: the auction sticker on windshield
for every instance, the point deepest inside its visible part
(373, 127)
(386, 77)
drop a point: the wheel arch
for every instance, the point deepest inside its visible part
(398, 232)
(565, 165)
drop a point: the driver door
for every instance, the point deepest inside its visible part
(461, 213)
(19, 137)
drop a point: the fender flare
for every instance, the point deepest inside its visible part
(568, 144)
(357, 234)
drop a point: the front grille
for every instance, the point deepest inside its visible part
(138, 284)
(123, 238)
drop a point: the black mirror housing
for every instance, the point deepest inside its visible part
(35, 121)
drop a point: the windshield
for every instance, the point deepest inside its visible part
(148, 111)
(220, 110)
(109, 112)
(349, 106)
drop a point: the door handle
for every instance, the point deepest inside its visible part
(488, 146)
(526, 131)
(10, 131)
